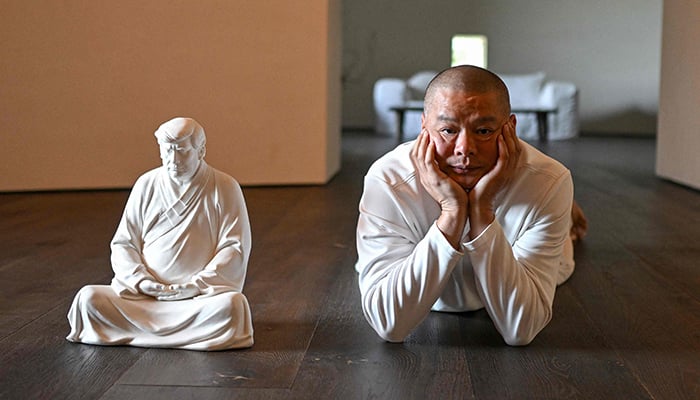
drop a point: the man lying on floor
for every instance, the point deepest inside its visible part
(179, 256)
(465, 217)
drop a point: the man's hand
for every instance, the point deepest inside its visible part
(482, 196)
(579, 223)
(448, 193)
(168, 292)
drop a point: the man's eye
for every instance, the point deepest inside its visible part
(484, 131)
(448, 131)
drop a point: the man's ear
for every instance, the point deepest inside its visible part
(513, 120)
(202, 152)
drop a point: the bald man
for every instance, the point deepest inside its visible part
(179, 256)
(465, 217)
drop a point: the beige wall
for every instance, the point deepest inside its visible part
(678, 141)
(609, 49)
(83, 84)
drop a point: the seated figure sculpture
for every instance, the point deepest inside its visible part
(179, 256)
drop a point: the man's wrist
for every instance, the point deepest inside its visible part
(451, 223)
(479, 219)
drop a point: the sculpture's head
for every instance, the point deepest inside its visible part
(182, 145)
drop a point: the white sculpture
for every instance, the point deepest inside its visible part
(179, 256)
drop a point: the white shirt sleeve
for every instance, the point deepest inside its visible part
(401, 273)
(517, 282)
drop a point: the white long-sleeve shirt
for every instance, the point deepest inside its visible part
(407, 267)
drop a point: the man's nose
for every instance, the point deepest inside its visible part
(463, 144)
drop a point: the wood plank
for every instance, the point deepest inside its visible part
(53, 244)
(136, 392)
(570, 358)
(653, 218)
(36, 362)
(646, 306)
(652, 325)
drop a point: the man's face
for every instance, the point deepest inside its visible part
(464, 127)
(181, 160)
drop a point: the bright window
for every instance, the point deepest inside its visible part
(469, 49)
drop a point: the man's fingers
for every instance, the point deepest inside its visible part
(418, 150)
(503, 146)
(512, 140)
(430, 153)
(423, 146)
(509, 146)
(422, 153)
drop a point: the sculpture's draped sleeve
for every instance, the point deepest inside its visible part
(227, 269)
(127, 244)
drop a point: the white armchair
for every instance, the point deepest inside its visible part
(392, 92)
(527, 91)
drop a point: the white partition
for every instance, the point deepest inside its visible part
(83, 85)
(678, 138)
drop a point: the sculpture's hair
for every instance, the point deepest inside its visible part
(180, 129)
(467, 78)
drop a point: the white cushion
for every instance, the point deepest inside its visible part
(524, 89)
(418, 83)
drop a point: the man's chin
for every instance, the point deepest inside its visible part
(466, 182)
(467, 188)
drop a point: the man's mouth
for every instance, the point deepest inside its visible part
(463, 169)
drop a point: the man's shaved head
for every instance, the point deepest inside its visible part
(468, 79)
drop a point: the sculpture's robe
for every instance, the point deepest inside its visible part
(201, 235)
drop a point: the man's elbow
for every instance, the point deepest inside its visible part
(521, 328)
(391, 335)
(518, 339)
(522, 334)
(386, 328)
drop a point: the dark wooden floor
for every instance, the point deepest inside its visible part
(626, 325)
